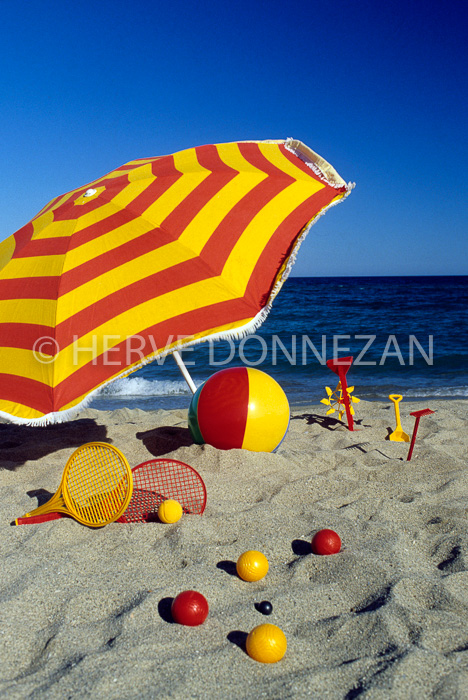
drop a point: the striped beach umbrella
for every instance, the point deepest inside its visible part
(157, 255)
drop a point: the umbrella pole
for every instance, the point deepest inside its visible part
(184, 370)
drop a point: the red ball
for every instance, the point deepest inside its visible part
(189, 608)
(326, 542)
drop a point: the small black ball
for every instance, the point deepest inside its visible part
(265, 607)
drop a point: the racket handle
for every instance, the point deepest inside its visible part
(37, 519)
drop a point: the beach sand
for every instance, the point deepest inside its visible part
(86, 612)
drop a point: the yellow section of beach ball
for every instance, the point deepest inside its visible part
(170, 511)
(266, 643)
(252, 565)
(267, 415)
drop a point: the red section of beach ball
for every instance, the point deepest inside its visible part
(326, 542)
(189, 608)
(222, 408)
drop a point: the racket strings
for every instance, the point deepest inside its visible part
(158, 480)
(143, 505)
(97, 484)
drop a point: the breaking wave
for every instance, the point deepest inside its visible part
(138, 386)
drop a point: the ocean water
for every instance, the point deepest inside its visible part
(408, 335)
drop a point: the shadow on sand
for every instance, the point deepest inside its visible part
(161, 441)
(22, 443)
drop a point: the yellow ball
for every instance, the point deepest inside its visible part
(252, 565)
(266, 643)
(170, 511)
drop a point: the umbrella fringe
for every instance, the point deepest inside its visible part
(51, 418)
(318, 165)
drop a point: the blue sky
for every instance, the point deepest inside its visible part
(379, 89)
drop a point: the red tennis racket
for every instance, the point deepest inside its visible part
(153, 482)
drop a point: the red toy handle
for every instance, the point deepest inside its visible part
(36, 519)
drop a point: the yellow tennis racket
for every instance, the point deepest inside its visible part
(96, 486)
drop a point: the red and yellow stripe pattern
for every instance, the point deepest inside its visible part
(159, 253)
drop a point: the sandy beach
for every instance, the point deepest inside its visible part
(86, 612)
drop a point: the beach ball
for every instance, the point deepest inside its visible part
(326, 542)
(170, 511)
(239, 407)
(189, 608)
(252, 565)
(266, 643)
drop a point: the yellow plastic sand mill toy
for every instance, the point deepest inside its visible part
(336, 401)
(341, 397)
